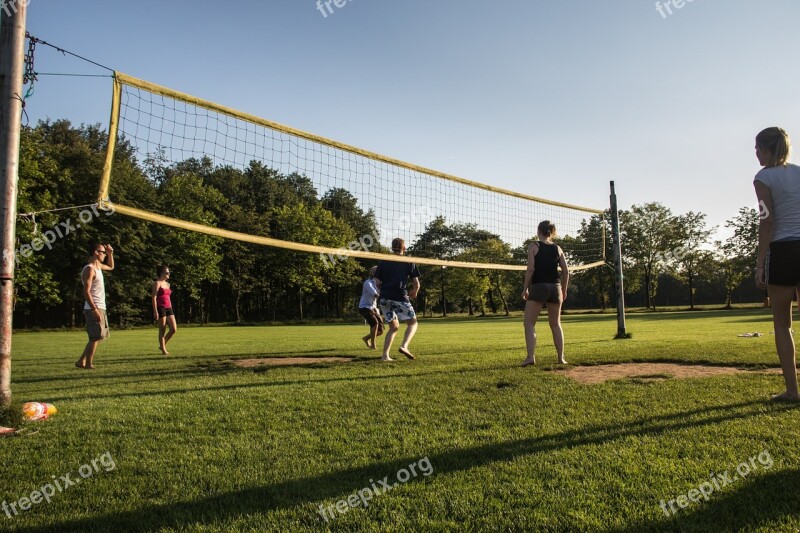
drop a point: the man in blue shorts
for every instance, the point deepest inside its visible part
(392, 277)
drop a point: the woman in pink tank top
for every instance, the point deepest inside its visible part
(162, 308)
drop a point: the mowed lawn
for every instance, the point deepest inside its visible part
(462, 439)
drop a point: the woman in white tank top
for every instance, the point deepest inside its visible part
(778, 264)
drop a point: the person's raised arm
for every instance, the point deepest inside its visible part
(766, 226)
(108, 264)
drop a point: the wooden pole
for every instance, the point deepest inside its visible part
(12, 52)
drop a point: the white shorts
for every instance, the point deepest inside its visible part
(393, 309)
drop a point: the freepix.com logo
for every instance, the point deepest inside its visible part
(10, 6)
(324, 6)
(365, 242)
(59, 231)
(363, 496)
(665, 8)
(719, 480)
(47, 491)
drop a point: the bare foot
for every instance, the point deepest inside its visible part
(406, 353)
(785, 397)
(386, 358)
(528, 362)
(79, 365)
(366, 341)
(562, 361)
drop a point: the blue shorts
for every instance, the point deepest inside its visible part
(394, 309)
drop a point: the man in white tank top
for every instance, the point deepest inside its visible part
(101, 257)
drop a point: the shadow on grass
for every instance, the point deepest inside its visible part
(735, 315)
(396, 370)
(311, 491)
(210, 363)
(98, 374)
(753, 502)
(155, 357)
(261, 384)
(682, 362)
(581, 317)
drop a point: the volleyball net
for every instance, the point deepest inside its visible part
(443, 218)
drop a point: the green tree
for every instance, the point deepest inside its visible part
(470, 284)
(344, 206)
(343, 277)
(60, 168)
(193, 257)
(687, 258)
(502, 283)
(35, 285)
(648, 236)
(304, 273)
(435, 241)
(598, 282)
(239, 258)
(737, 254)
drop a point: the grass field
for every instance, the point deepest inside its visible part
(472, 441)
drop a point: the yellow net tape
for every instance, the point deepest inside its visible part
(289, 245)
(121, 79)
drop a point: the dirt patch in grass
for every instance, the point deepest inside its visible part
(590, 375)
(288, 361)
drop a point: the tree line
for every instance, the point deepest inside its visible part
(219, 280)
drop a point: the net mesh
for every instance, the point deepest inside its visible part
(439, 216)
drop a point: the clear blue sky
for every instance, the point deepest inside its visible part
(548, 97)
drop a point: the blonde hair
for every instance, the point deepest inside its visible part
(776, 141)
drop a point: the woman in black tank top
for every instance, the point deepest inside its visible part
(544, 286)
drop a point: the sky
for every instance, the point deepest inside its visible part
(553, 98)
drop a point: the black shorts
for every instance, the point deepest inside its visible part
(165, 311)
(546, 293)
(783, 263)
